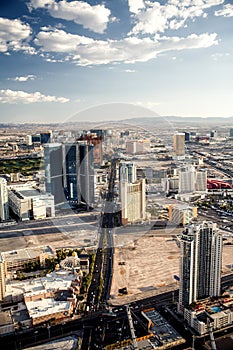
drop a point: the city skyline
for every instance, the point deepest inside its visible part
(59, 58)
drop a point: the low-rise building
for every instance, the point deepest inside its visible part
(27, 203)
(16, 259)
(218, 312)
(182, 214)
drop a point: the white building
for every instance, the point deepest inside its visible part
(192, 180)
(29, 203)
(200, 263)
(128, 172)
(4, 207)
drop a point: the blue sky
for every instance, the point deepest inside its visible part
(58, 58)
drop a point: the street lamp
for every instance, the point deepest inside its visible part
(35, 333)
(48, 327)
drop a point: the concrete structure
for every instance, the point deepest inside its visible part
(41, 311)
(218, 312)
(133, 202)
(29, 203)
(4, 206)
(179, 145)
(182, 214)
(16, 259)
(200, 263)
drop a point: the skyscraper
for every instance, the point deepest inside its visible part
(127, 172)
(70, 171)
(53, 171)
(86, 173)
(200, 263)
(179, 144)
(4, 207)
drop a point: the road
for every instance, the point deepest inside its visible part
(91, 322)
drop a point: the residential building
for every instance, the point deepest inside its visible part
(200, 263)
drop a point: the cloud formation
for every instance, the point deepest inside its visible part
(152, 17)
(14, 35)
(95, 18)
(226, 11)
(24, 78)
(15, 97)
(86, 51)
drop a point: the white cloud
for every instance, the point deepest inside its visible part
(14, 35)
(136, 5)
(130, 70)
(86, 51)
(219, 56)
(155, 18)
(226, 11)
(15, 97)
(95, 18)
(24, 78)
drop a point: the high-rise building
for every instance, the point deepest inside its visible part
(231, 132)
(187, 179)
(53, 171)
(45, 137)
(133, 201)
(127, 172)
(192, 180)
(95, 139)
(4, 206)
(179, 144)
(201, 181)
(70, 171)
(86, 173)
(200, 263)
(2, 278)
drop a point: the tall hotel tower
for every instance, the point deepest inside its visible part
(179, 145)
(200, 263)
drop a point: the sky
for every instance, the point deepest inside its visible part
(61, 57)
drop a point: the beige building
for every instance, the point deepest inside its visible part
(16, 259)
(181, 214)
(133, 202)
(179, 144)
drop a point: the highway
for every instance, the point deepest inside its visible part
(99, 289)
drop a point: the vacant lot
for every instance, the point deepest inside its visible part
(150, 262)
